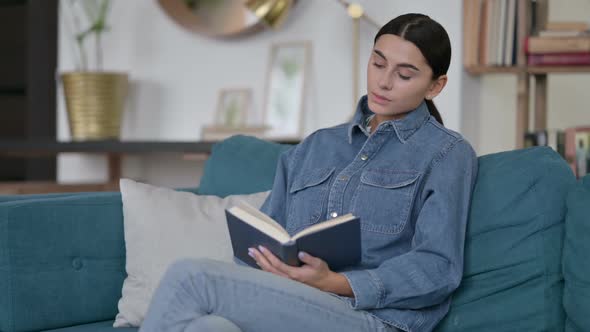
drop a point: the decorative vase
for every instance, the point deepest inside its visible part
(95, 102)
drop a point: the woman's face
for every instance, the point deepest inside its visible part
(399, 78)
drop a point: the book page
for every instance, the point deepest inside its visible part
(261, 221)
(323, 225)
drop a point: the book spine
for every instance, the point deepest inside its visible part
(502, 20)
(522, 30)
(567, 26)
(559, 59)
(511, 25)
(558, 45)
(289, 253)
(472, 13)
(561, 144)
(484, 32)
(561, 33)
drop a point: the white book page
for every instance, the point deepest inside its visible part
(323, 225)
(268, 226)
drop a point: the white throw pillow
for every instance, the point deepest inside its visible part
(163, 225)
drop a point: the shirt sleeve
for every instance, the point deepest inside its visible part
(275, 204)
(432, 269)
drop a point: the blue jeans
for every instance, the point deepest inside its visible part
(206, 295)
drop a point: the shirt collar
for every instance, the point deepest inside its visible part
(404, 128)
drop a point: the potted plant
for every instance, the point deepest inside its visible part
(95, 98)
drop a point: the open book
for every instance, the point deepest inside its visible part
(336, 241)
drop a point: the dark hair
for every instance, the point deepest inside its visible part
(430, 38)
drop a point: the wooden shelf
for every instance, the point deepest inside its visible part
(112, 147)
(529, 70)
(476, 70)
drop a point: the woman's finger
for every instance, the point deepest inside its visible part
(263, 262)
(310, 260)
(278, 264)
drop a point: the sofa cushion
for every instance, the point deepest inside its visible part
(106, 326)
(62, 261)
(576, 265)
(240, 165)
(183, 225)
(512, 275)
(12, 198)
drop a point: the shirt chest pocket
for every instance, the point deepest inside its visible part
(384, 199)
(308, 193)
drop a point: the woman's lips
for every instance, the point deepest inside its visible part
(379, 99)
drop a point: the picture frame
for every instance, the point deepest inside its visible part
(577, 150)
(287, 76)
(233, 107)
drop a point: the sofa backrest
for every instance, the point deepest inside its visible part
(62, 256)
(576, 263)
(62, 261)
(512, 276)
(240, 165)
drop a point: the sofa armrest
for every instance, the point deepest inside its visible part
(62, 260)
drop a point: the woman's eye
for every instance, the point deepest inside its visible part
(405, 78)
(378, 65)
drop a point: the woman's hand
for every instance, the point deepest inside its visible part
(315, 272)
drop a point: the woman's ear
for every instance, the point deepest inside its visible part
(436, 87)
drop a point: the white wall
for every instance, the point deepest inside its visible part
(176, 76)
(567, 95)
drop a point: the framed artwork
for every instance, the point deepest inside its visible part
(233, 107)
(285, 89)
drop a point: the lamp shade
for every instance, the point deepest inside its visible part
(271, 12)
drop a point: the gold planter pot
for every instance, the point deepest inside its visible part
(95, 103)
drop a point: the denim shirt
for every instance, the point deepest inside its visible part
(410, 182)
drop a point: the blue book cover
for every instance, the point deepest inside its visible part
(336, 241)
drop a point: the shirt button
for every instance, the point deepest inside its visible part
(364, 157)
(333, 214)
(343, 178)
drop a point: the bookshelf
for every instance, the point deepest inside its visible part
(528, 20)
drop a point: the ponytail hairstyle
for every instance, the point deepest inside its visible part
(430, 38)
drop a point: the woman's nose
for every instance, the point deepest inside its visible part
(385, 82)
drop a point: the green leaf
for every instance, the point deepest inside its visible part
(90, 9)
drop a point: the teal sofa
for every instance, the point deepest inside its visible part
(62, 256)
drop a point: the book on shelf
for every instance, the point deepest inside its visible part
(471, 22)
(491, 31)
(567, 26)
(577, 150)
(537, 44)
(337, 241)
(510, 38)
(559, 59)
(562, 33)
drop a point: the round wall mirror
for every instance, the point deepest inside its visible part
(226, 18)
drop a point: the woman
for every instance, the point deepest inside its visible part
(395, 166)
